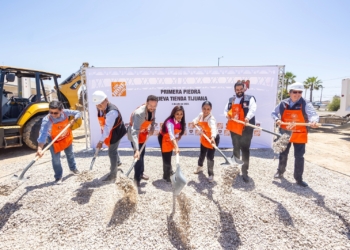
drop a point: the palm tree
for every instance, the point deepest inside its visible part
(289, 78)
(306, 86)
(315, 84)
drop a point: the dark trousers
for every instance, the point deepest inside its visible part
(209, 153)
(242, 143)
(114, 157)
(166, 157)
(299, 151)
(139, 165)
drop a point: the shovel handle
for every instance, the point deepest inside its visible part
(135, 160)
(44, 150)
(177, 159)
(300, 124)
(56, 138)
(96, 152)
(205, 136)
(256, 127)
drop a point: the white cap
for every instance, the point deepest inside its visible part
(296, 86)
(98, 97)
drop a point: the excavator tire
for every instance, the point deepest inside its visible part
(31, 131)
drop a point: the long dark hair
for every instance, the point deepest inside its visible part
(172, 115)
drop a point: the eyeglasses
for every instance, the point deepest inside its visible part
(54, 113)
(297, 92)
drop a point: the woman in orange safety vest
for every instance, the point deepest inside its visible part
(171, 132)
(207, 122)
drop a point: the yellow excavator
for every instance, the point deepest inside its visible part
(20, 118)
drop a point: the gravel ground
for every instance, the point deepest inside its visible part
(86, 213)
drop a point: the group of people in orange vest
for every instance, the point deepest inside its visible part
(240, 107)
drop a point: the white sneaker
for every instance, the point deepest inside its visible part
(199, 169)
(211, 178)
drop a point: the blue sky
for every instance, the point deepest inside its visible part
(310, 37)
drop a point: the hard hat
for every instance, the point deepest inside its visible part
(296, 86)
(98, 97)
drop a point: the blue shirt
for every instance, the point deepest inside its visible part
(309, 110)
(46, 125)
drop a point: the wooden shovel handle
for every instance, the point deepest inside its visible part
(300, 124)
(55, 139)
(247, 124)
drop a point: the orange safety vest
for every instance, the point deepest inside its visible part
(237, 113)
(102, 121)
(207, 131)
(143, 129)
(299, 134)
(65, 140)
(167, 145)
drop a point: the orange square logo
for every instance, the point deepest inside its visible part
(118, 88)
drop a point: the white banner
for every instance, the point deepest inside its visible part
(128, 88)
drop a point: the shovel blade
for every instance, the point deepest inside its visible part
(236, 161)
(92, 163)
(232, 161)
(178, 181)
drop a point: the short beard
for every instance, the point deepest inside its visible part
(240, 94)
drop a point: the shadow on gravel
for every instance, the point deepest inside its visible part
(264, 153)
(281, 212)
(10, 208)
(241, 185)
(229, 238)
(345, 138)
(308, 192)
(84, 193)
(203, 185)
(15, 152)
(163, 185)
(122, 211)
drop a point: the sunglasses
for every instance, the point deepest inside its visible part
(297, 92)
(54, 113)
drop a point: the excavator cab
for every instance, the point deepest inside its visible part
(20, 117)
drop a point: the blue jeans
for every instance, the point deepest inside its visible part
(56, 160)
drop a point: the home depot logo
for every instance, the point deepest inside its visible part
(118, 88)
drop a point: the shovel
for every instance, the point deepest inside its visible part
(44, 150)
(135, 160)
(229, 161)
(94, 158)
(256, 127)
(279, 145)
(178, 180)
(302, 124)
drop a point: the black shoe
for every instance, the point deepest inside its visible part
(302, 183)
(75, 171)
(278, 175)
(245, 178)
(110, 177)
